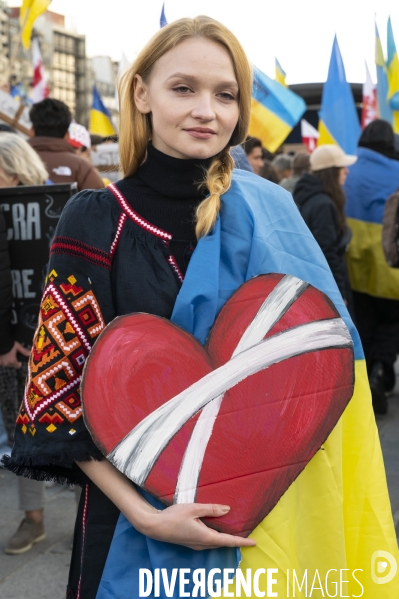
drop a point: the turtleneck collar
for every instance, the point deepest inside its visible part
(173, 177)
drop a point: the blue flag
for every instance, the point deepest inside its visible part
(162, 20)
(339, 123)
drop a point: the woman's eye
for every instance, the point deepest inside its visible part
(226, 96)
(182, 89)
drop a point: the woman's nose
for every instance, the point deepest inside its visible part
(203, 109)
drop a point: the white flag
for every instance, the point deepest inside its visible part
(40, 87)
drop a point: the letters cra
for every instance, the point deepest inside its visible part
(25, 221)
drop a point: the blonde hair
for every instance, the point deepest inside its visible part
(135, 127)
(18, 158)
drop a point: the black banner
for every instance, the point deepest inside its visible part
(32, 214)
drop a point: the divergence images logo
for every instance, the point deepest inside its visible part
(379, 565)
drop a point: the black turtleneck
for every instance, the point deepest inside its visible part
(164, 191)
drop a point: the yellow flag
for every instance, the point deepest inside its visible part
(30, 10)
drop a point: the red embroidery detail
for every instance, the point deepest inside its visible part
(51, 418)
(84, 524)
(121, 221)
(127, 210)
(69, 322)
(176, 269)
(73, 247)
(136, 217)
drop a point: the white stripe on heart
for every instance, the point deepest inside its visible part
(137, 453)
(285, 293)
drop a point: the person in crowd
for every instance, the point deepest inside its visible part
(19, 165)
(253, 150)
(268, 171)
(184, 102)
(282, 164)
(50, 123)
(321, 202)
(375, 285)
(79, 139)
(300, 165)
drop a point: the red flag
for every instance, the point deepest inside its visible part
(40, 87)
(310, 135)
(369, 106)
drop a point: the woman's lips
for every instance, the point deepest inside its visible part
(200, 133)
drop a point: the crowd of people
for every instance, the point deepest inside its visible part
(327, 187)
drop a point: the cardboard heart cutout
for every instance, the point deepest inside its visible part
(234, 422)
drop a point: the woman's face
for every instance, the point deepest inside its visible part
(6, 181)
(343, 173)
(192, 95)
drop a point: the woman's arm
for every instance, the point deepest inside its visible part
(179, 524)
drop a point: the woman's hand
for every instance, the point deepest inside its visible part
(9, 360)
(181, 524)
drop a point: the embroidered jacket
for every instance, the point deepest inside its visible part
(123, 265)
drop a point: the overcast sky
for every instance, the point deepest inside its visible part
(298, 32)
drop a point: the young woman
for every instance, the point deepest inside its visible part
(321, 202)
(184, 102)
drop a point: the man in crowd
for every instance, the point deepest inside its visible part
(50, 122)
(283, 166)
(253, 150)
(300, 165)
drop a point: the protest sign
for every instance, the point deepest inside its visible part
(105, 158)
(13, 113)
(31, 214)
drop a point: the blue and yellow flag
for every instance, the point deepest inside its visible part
(339, 123)
(30, 10)
(275, 111)
(336, 516)
(280, 74)
(100, 117)
(371, 180)
(384, 109)
(393, 78)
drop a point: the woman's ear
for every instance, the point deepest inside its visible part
(141, 95)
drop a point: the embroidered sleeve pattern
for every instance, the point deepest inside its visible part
(70, 320)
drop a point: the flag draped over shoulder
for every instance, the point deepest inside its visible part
(339, 123)
(30, 10)
(384, 109)
(371, 180)
(100, 117)
(275, 111)
(393, 78)
(280, 74)
(336, 514)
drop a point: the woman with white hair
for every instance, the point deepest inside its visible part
(19, 165)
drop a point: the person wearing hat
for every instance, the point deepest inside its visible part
(321, 202)
(300, 165)
(375, 285)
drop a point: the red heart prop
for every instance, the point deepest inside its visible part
(271, 420)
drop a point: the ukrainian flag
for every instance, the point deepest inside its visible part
(384, 109)
(339, 123)
(275, 111)
(30, 10)
(393, 78)
(100, 117)
(371, 180)
(280, 74)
